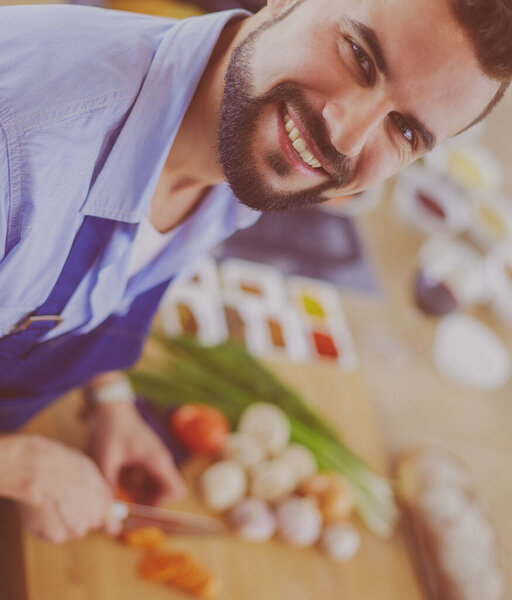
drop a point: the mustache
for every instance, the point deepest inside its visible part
(339, 166)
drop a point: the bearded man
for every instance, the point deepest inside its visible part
(131, 145)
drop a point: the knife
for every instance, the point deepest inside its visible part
(169, 521)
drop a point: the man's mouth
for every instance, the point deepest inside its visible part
(299, 144)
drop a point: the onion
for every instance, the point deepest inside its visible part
(301, 461)
(332, 494)
(223, 485)
(253, 520)
(272, 480)
(341, 541)
(268, 424)
(244, 449)
(299, 522)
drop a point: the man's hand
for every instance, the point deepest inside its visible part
(60, 491)
(120, 438)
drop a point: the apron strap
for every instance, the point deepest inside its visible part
(89, 242)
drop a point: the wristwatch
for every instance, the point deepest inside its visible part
(117, 391)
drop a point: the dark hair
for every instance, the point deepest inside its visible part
(488, 24)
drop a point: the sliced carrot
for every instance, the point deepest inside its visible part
(147, 538)
(181, 570)
(162, 567)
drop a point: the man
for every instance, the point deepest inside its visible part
(118, 132)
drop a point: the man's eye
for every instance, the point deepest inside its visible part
(364, 61)
(403, 128)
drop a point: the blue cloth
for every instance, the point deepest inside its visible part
(33, 374)
(90, 103)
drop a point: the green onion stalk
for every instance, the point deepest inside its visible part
(228, 378)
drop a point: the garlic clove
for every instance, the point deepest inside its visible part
(244, 449)
(299, 521)
(253, 520)
(223, 485)
(340, 541)
(272, 480)
(301, 460)
(268, 424)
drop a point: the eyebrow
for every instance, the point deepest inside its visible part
(372, 41)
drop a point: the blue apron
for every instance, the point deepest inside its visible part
(34, 373)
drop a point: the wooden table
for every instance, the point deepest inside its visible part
(98, 568)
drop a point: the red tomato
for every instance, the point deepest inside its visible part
(200, 428)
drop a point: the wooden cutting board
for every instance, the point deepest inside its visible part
(99, 568)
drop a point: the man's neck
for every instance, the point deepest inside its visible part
(192, 165)
(194, 152)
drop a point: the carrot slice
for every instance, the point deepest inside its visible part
(162, 567)
(181, 570)
(147, 538)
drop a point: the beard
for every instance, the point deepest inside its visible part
(239, 115)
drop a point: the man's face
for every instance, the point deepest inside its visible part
(330, 97)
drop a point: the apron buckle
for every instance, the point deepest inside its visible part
(26, 323)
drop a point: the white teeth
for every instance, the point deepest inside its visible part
(299, 144)
(293, 134)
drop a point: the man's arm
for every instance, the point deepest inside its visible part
(60, 491)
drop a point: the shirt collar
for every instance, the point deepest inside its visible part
(155, 118)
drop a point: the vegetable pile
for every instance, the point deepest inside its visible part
(277, 490)
(227, 378)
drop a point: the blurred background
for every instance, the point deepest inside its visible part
(410, 285)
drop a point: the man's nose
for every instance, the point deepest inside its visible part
(351, 121)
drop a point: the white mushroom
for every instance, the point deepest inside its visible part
(299, 521)
(301, 460)
(253, 520)
(272, 480)
(223, 485)
(341, 541)
(243, 448)
(268, 424)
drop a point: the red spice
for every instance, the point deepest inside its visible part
(147, 537)
(431, 205)
(325, 345)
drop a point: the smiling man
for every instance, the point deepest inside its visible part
(131, 145)
(334, 97)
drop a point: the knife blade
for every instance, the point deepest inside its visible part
(170, 521)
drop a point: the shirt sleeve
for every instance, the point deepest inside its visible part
(4, 193)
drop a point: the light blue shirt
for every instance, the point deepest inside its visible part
(90, 103)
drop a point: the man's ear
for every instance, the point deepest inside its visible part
(276, 7)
